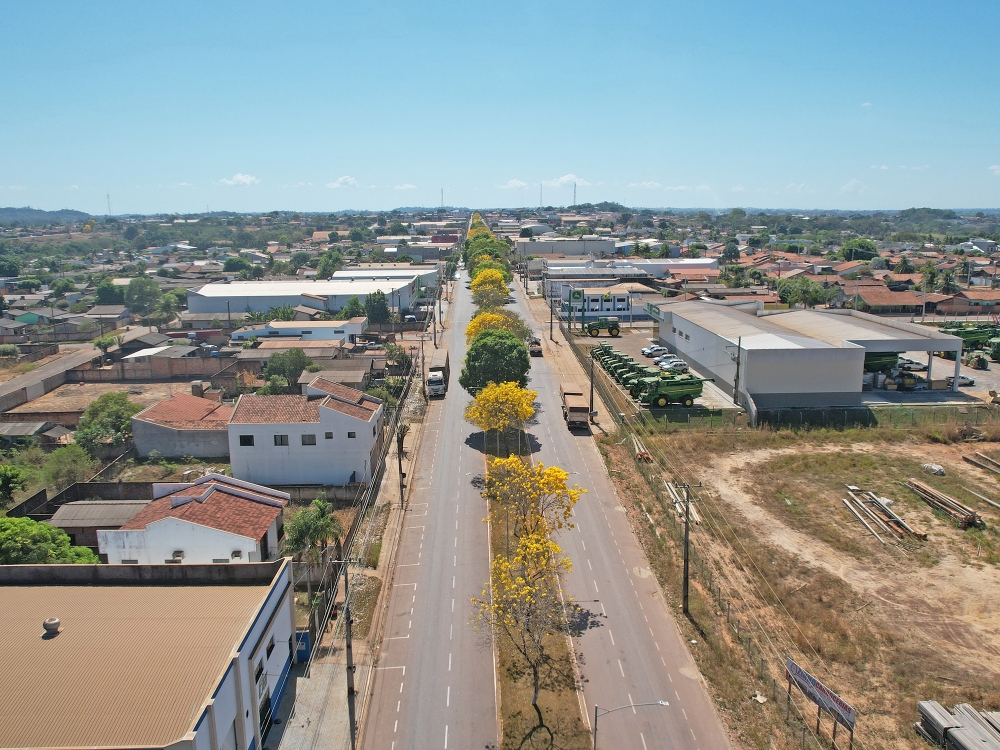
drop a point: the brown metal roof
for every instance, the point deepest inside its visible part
(97, 513)
(152, 656)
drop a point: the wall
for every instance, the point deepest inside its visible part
(566, 247)
(157, 368)
(156, 544)
(172, 443)
(329, 462)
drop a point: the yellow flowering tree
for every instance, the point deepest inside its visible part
(538, 498)
(500, 406)
(498, 319)
(524, 610)
(489, 289)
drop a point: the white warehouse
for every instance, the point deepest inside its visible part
(798, 358)
(331, 295)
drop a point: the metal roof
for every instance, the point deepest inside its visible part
(154, 655)
(327, 288)
(103, 513)
(875, 334)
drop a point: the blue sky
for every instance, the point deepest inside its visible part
(330, 105)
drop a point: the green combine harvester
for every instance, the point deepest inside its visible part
(677, 389)
(973, 335)
(881, 361)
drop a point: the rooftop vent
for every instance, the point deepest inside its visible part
(51, 627)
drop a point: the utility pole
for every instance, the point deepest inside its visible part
(423, 378)
(687, 544)
(736, 380)
(551, 316)
(401, 431)
(591, 386)
(434, 323)
(349, 655)
(229, 316)
(574, 193)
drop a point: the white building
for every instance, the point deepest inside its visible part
(214, 519)
(305, 330)
(185, 657)
(426, 275)
(331, 295)
(566, 246)
(331, 440)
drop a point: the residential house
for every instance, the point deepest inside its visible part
(286, 440)
(113, 315)
(14, 331)
(183, 425)
(215, 519)
(881, 301)
(146, 341)
(972, 302)
(82, 519)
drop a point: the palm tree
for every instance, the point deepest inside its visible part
(947, 284)
(309, 532)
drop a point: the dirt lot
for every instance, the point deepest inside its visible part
(66, 404)
(9, 370)
(885, 626)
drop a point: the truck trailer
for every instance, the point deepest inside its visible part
(439, 373)
(575, 406)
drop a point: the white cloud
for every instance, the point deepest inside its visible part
(74, 187)
(185, 184)
(240, 179)
(345, 181)
(876, 166)
(851, 186)
(649, 185)
(16, 187)
(703, 187)
(867, 104)
(566, 179)
(677, 187)
(995, 169)
(406, 186)
(739, 189)
(513, 185)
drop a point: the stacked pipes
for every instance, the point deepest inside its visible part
(962, 514)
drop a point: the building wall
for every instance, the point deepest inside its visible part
(241, 303)
(566, 247)
(157, 542)
(330, 462)
(156, 368)
(231, 714)
(173, 443)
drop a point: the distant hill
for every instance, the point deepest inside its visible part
(29, 216)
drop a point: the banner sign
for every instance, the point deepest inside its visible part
(821, 695)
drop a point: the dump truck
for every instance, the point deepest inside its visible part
(575, 406)
(611, 325)
(682, 389)
(439, 373)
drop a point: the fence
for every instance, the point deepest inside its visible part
(758, 644)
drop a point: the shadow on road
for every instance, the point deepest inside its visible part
(580, 619)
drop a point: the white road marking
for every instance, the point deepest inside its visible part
(456, 524)
(643, 741)
(612, 637)
(445, 737)
(583, 543)
(589, 565)
(451, 631)
(447, 701)
(685, 714)
(456, 541)
(395, 727)
(453, 581)
(452, 605)
(631, 702)
(620, 669)
(595, 586)
(401, 687)
(454, 563)
(398, 704)
(602, 610)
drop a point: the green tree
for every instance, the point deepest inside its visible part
(309, 532)
(947, 283)
(904, 266)
(67, 465)
(107, 421)
(299, 259)
(858, 249)
(9, 268)
(288, 365)
(731, 253)
(495, 357)
(109, 294)
(802, 291)
(397, 355)
(142, 295)
(11, 480)
(351, 309)
(29, 283)
(377, 308)
(235, 265)
(61, 286)
(27, 542)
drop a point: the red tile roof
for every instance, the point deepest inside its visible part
(185, 412)
(349, 401)
(882, 297)
(254, 409)
(210, 504)
(980, 294)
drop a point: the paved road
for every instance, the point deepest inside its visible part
(632, 651)
(435, 683)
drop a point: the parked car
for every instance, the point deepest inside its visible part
(667, 358)
(652, 351)
(962, 380)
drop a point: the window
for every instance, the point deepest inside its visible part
(270, 647)
(219, 560)
(373, 432)
(687, 337)
(259, 671)
(308, 440)
(329, 436)
(351, 435)
(130, 562)
(673, 329)
(306, 332)
(281, 439)
(246, 441)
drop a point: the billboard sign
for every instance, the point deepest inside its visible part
(576, 294)
(821, 695)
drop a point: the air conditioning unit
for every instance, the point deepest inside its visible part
(237, 554)
(178, 554)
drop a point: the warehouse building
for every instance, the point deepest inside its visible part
(330, 295)
(186, 657)
(799, 358)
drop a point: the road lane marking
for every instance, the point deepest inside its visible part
(612, 637)
(401, 687)
(657, 645)
(456, 541)
(643, 740)
(447, 701)
(602, 610)
(398, 704)
(445, 737)
(620, 669)
(595, 586)
(583, 543)
(453, 581)
(685, 714)
(589, 565)
(631, 702)
(395, 727)
(449, 662)
(451, 631)
(452, 605)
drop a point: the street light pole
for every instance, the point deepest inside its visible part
(598, 712)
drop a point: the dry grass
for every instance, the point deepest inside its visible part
(871, 637)
(366, 591)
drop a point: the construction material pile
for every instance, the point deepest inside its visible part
(962, 729)
(868, 505)
(983, 461)
(962, 514)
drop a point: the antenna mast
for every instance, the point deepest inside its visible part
(574, 193)
(109, 203)
(442, 197)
